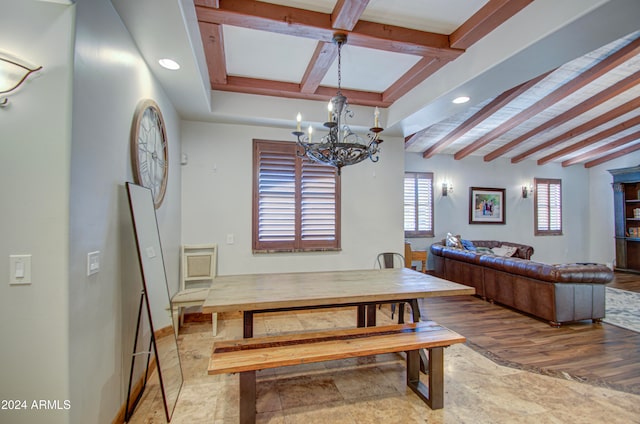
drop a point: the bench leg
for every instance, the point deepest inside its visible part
(248, 397)
(434, 394)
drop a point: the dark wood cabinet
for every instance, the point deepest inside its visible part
(626, 199)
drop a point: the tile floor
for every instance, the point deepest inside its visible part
(372, 390)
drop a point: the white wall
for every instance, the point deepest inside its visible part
(110, 79)
(216, 201)
(35, 141)
(601, 221)
(452, 212)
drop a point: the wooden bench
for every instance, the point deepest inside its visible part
(246, 356)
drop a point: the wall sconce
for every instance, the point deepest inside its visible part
(526, 190)
(447, 188)
(12, 75)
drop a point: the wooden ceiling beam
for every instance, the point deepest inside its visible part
(414, 76)
(344, 16)
(602, 149)
(322, 58)
(489, 17)
(213, 43)
(609, 132)
(318, 26)
(292, 90)
(581, 129)
(492, 107)
(593, 101)
(346, 13)
(612, 156)
(596, 71)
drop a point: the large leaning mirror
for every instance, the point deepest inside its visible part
(156, 291)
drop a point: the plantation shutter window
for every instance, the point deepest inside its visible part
(548, 206)
(418, 204)
(296, 201)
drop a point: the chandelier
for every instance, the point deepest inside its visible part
(340, 146)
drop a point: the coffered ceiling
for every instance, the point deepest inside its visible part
(551, 81)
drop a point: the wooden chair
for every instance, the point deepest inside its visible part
(418, 255)
(198, 269)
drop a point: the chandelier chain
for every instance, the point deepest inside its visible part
(340, 68)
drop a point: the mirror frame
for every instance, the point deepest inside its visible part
(153, 272)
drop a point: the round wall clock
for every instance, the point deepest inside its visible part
(149, 150)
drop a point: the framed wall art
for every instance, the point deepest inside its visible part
(487, 205)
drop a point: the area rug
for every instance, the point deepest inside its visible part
(623, 309)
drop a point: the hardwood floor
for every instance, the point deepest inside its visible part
(626, 281)
(599, 354)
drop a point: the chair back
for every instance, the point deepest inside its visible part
(390, 260)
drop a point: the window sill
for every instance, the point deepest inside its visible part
(310, 250)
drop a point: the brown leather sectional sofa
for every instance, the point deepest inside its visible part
(556, 293)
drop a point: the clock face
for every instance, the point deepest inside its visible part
(149, 150)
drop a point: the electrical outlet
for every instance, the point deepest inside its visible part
(230, 239)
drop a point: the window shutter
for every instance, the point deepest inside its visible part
(318, 202)
(410, 212)
(418, 204)
(548, 212)
(296, 202)
(276, 197)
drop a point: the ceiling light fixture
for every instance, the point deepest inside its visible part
(460, 100)
(169, 64)
(340, 146)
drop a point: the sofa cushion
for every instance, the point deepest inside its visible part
(453, 241)
(504, 250)
(468, 244)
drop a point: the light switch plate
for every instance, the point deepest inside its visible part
(93, 262)
(19, 269)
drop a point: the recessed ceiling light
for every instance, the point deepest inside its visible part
(170, 64)
(460, 100)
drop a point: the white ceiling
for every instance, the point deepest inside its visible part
(544, 35)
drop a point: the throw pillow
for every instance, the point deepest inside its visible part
(504, 250)
(468, 245)
(453, 241)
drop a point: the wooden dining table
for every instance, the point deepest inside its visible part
(260, 293)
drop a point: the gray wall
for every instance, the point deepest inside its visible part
(217, 191)
(35, 142)
(452, 212)
(65, 158)
(110, 78)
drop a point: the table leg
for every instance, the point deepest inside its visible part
(371, 315)
(247, 320)
(400, 313)
(361, 321)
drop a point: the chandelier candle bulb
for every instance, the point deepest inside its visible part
(330, 112)
(310, 133)
(298, 120)
(376, 115)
